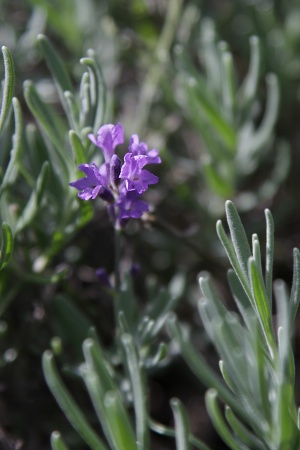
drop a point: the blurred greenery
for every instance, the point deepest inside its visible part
(214, 85)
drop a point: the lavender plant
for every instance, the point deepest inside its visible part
(226, 116)
(46, 141)
(257, 361)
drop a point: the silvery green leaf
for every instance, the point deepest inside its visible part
(248, 89)
(68, 405)
(9, 81)
(182, 429)
(295, 293)
(97, 90)
(56, 65)
(32, 206)
(219, 422)
(242, 432)
(7, 245)
(138, 391)
(238, 236)
(12, 168)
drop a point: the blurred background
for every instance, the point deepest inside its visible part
(164, 64)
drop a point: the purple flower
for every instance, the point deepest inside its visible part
(119, 185)
(103, 277)
(108, 137)
(135, 176)
(92, 185)
(131, 206)
(140, 148)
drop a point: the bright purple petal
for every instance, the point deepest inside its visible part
(108, 137)
(136, 178)
(140, 148)
(92, 185)
(130, 206)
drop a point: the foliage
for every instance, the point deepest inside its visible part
(88, 324)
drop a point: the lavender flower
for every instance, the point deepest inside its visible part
(140, 148)
(91, 186)
(108, 137)
(130, 205)
(119, 185)
(135, 177)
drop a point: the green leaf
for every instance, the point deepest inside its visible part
(68, 405)
(211, 55)
(6, 245)
(106, 398)
(95, 359)
(55, 64)
(97, 377)
(138, 391)
(254, 143)
(57, 442)
(295, 293)
(242, 432)
(182, 431)
(120, 426)
(52, 126)
(202, 371)
(216, 182)
(9, 81)
(32, 207)
(240, 297)
(218, 421)
(12, 168)
(228, 82)
(97, 89)
(69, 322)
(238, 236)
(212, 116)
(229, 248)
(248, 89)
(269, 255)
(169, 432)
(78, 150)
(261, 304)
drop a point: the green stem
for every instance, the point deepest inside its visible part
(117, 274)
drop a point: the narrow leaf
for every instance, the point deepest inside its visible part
(295, 293)
(98, 89)
(78, 150)
(34, 201)
(212, 116)
(68, 405)
(205, 373)
(55, 64)
(138, 390)
(242, 432)
(218, 421)
(121, 429)
(169, 432)
(228, 85)
(229, 248)
(249, 87)
(7, 245)
(182, 430)
(9, 81)
(12, 168)
(261, 304)
(238, 236)
(269, 255)
(57, 442)
(217, 182)
(95, 360)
